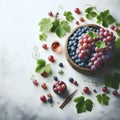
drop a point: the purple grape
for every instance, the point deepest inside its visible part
(93, 67)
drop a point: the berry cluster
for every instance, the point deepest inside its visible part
(73, 81)
(44, 99)
(83, 50)
(59, 87)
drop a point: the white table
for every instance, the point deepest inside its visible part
(19, 98)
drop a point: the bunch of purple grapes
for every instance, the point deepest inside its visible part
(93, 56)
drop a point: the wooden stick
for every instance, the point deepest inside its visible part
(67, 99)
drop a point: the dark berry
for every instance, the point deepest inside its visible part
(105, 89)
(71, 79)
(61, 65)
(77, 23)
(50, 100)
(50, 14)
(35, 82)
(45, 46)
(82, 19)
(43, 98)
(44, 74)
(115, 92)
(55, 78)
(86, 90)
(51, 58)
(77, 11)
(44, 86)
(75, 83)
(95, 91)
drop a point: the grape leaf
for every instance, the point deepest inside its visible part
(112, 80)
(99, 44)
(63, 28)
(55, 25)
(117, 24)
(83, 105)
(105, 18)
(90, 13)
(41, 67)
(45, 25)
(43, 37)
(117, 43)
(93, 34)
(68, 16)
(118, 33)
(47, 68)
(103, 99)
(89, 104)
(80, 98)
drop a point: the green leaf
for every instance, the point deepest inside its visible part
(55, 25)
(117, 43)
(91, 15)
(103, 99)
(65, 25)
(43, 37)
(40, 65)
(41, 62)
(110, 19)
(60, 32)
(80, 98)
(63, 28)
(105, 18)
(117, 24)
(99, 19)
(47, 68)
(112, 80)
(118, 33)
(89, 104)
(93, 34)
(69, 16)
(83, 105)
(100, 44)
(89, 9)
(60, 72)
(45, 25)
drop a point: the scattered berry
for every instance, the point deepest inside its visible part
(45, 46)
(86, 90)
(43, 98)
(116, 29)
(82, 19)
(105, 89)
(50, 100)
(77, 23)
(50, 14)
(51, 58)
(44, 74)
(49, 95)
(95, 91)
(75, 83)
(115, 92)
(61, 65)
(71, 80)
(35, 82)
(55, 78)
(112, 27)
(77, 11)
(44, 86)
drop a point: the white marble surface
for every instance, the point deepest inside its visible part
(19, 99)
